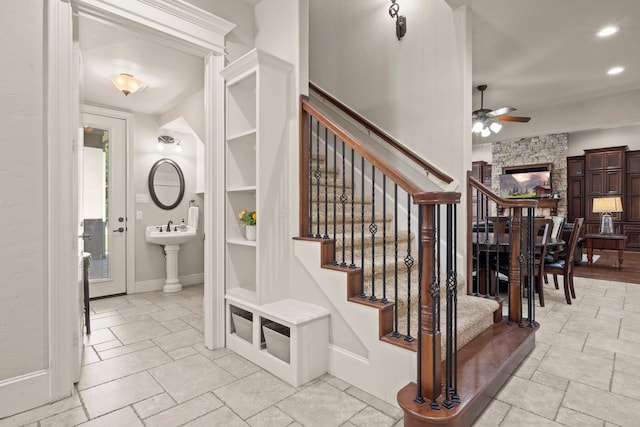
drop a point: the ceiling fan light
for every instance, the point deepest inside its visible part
(485, 132)
(615, 70)
(477, 127)
(495, 127)
(607, 31)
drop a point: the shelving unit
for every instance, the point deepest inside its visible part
(259, 135)
(309, 337)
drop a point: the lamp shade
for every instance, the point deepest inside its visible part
(607, 204)
(127, 83)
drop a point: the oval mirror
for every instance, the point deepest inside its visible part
(166, 184)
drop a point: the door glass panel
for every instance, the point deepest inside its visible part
(96, 201)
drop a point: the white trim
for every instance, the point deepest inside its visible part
(157, 284)
(129, 120)
(203, 31)
(62, 239)
(214, 247)
(24, 392)
(174, 21)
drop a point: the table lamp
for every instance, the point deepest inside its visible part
(605, 206)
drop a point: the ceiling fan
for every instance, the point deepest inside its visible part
(486, 120)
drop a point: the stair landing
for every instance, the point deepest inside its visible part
(484, 365)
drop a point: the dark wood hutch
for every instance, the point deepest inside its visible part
(606, 172)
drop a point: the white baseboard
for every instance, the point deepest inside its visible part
(24, 392)
(157, 284)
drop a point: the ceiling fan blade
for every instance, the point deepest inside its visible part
(514, 119)
(500, 111)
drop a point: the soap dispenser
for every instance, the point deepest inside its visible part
(183, 226)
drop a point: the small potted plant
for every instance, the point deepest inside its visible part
(249, 220)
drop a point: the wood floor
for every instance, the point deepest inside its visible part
(606, 267)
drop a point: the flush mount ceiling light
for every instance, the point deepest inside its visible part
(127, 83)
(401, 21)
(615, 70)
(607, 31)
(165, 140)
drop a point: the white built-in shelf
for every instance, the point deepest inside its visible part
(245, 189)
(244, 137)
(241, 241)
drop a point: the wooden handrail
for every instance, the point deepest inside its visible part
(428, 167)
(507, 203)
(419, 195)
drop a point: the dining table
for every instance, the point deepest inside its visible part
(485, 245)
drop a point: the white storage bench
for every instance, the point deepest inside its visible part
(305, 348)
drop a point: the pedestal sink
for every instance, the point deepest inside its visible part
(171, 241)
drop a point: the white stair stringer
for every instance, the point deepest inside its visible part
(387, 368)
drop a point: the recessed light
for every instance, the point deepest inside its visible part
(615, 70)
(607, 31)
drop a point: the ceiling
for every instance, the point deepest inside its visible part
(534, 54)
(168, 75)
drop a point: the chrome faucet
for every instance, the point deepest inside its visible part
(169, 225)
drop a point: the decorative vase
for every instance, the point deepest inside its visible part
(250, 232)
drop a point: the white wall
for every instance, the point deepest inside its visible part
(241, 39)
(149, 260)
(23, 186)
(580, 141)
(412, 88)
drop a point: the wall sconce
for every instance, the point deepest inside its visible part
(604, 206)
(164, 140)
(127, 83)
(401, 21)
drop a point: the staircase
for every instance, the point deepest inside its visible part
(382, 250)
(380, 257)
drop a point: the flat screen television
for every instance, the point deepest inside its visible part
(526, 185)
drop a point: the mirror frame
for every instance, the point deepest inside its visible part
(152, 191)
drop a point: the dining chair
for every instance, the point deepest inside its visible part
(565, 266)
(556, 230)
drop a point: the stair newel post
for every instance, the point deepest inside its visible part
(515, 290)
(305, 173)
(429, 344)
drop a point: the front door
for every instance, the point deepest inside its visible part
(104, 203)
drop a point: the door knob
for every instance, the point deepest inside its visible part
(85, 236)
(119, 230)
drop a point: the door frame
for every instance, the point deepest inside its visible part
(129, 123)
(180, 25)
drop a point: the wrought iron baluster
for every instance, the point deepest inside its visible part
(362, 293)
(419, 399)
(317, 175)
(335, 218)
(310, 176)
(373, 229)
(353, 216)
(408, 262)
(384, 239)
(435, 298)
(326, 184)
(343, 201)
(396, 334)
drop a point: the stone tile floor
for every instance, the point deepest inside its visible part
(145, 364)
